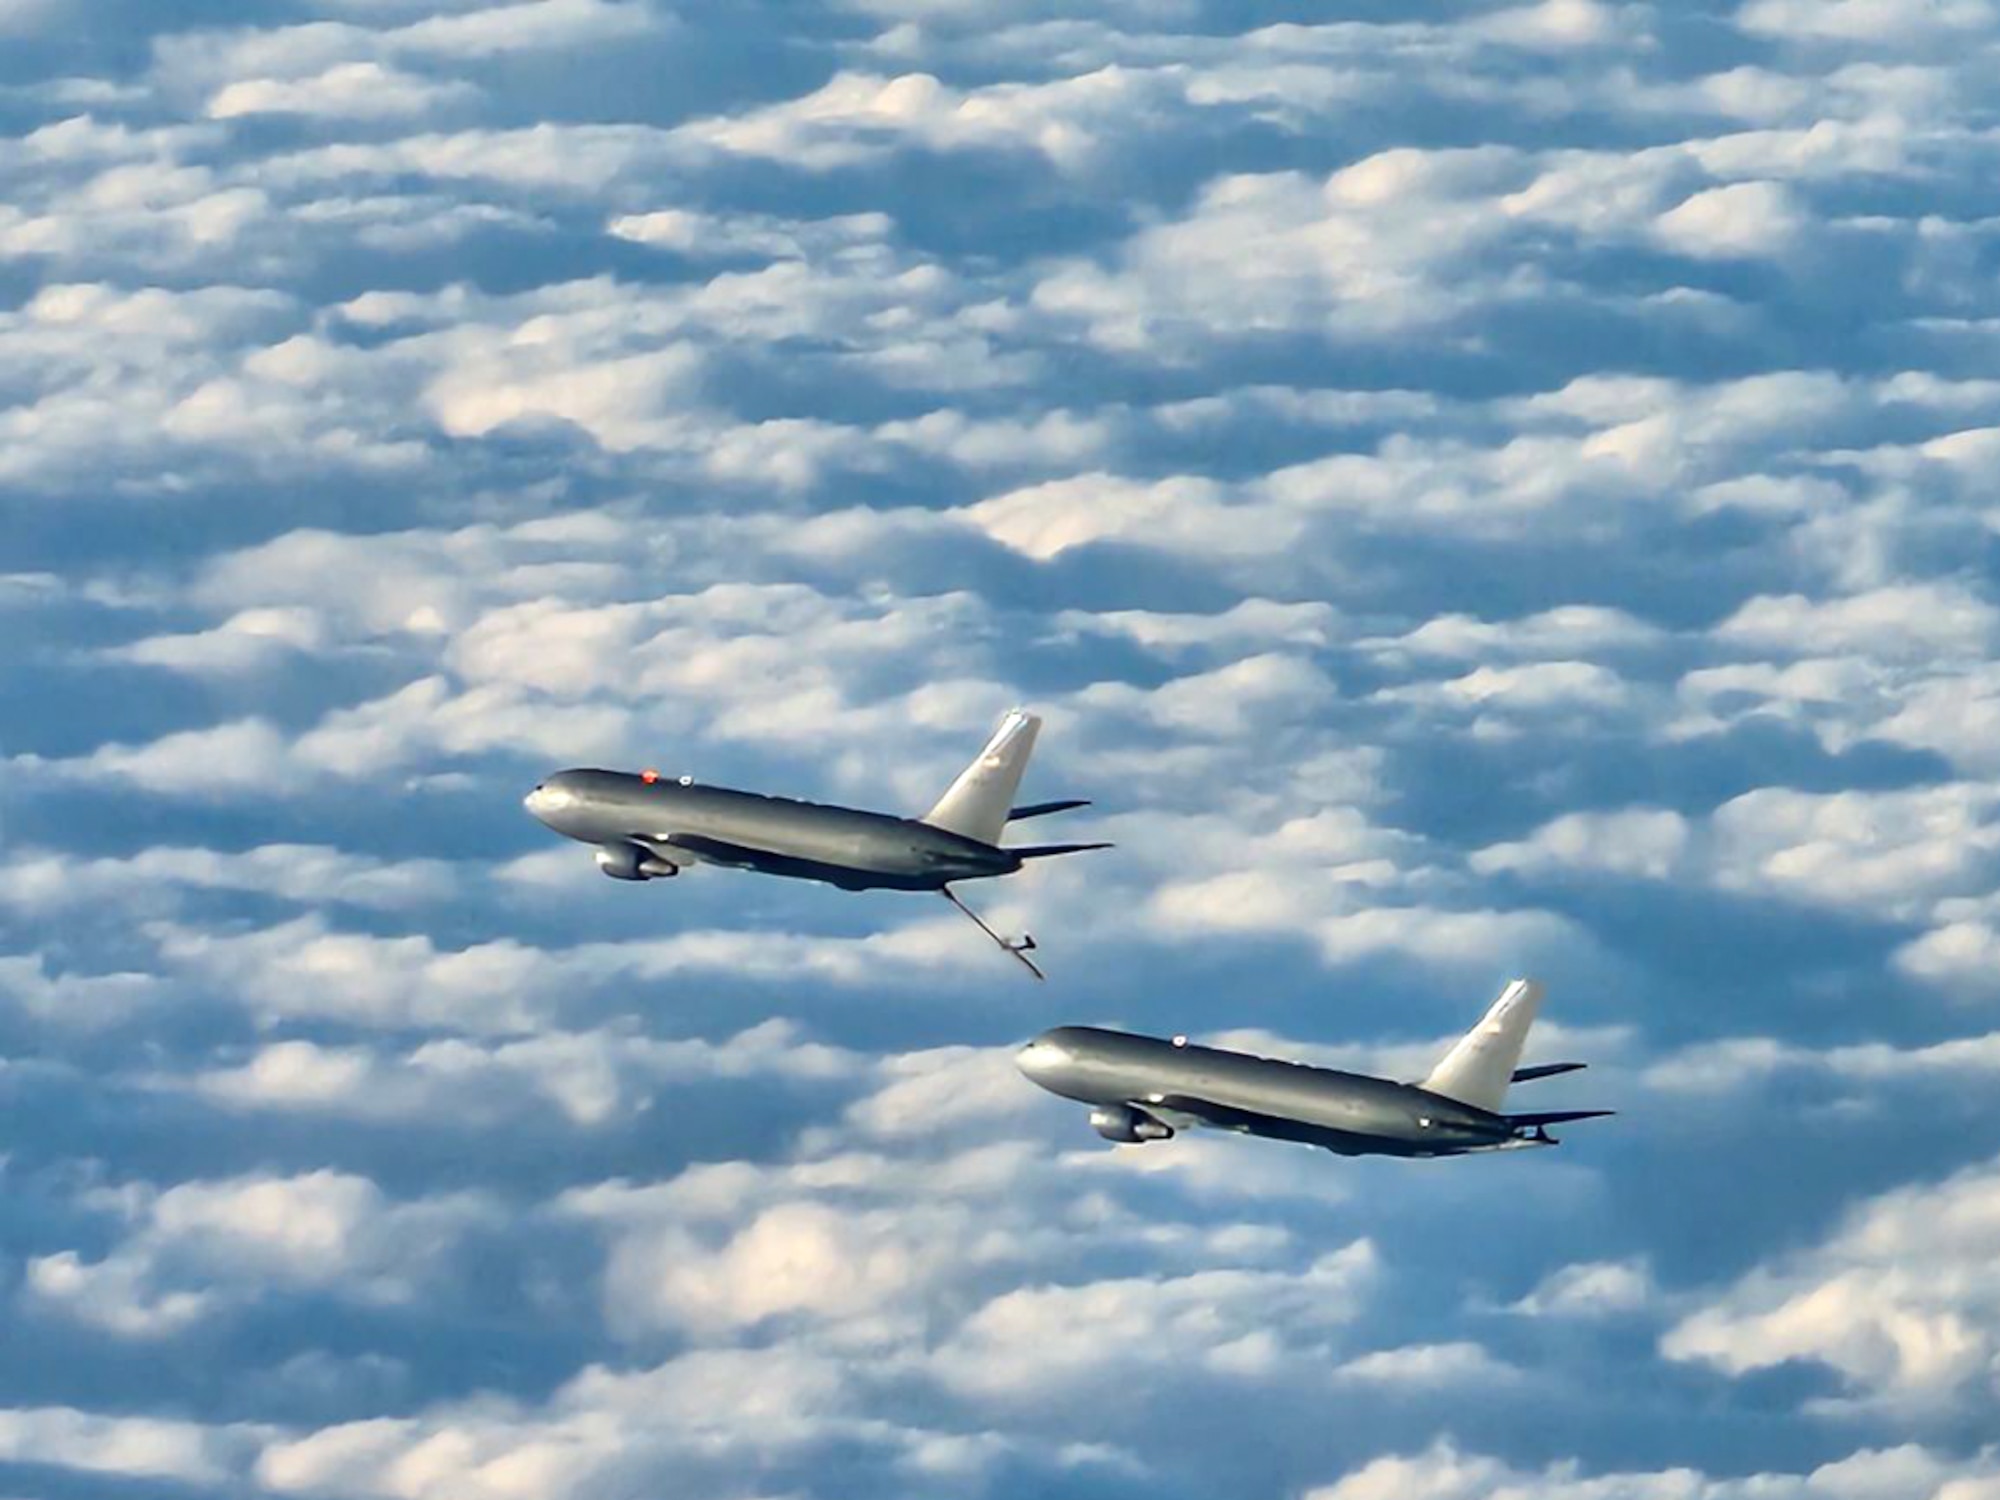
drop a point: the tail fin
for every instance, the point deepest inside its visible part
(976, 805)
(1478, 1070)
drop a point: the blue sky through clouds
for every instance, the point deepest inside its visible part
(1473, 488)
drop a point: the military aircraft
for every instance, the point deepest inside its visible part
(649, 827)
(1143, 1088)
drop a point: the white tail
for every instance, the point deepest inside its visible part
(1478, 1070)
(976, 805)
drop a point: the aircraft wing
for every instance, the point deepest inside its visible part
(690, 849)
(665, 851)
(1246, 1122)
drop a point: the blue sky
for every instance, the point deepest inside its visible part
(1474, 489)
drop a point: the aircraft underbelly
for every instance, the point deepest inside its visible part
(1344, 1113)
(769, 834)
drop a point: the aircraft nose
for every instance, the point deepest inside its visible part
(1040, 1058)
(548, 798)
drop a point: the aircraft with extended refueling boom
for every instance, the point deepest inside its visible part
(647, 827)
(1143, 1088)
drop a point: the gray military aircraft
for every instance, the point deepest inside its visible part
(1143, 1088)
(647, 827)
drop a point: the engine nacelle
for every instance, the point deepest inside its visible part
(1121, 1122)
(630, 862)
(622, 861)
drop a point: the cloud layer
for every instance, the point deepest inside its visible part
(1486, 488)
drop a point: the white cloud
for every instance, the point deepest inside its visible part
(1367, 251)
(1887, 852)
(1566, 632)
(1046, 520)
(529, 26)
(858, 117)
(927, 1093)
(1901, 1300)
(224, 760)
(1251, 624)
(1551, 409)
(197, 1248)
(1561, 24)
(301, 968)
(620, 402)
(1896, 854)
(831, 1241)
(330, 63)
(1592, 1289)
(1429, 1366)
(1917, 622)
(42, 881)
(1749, 1062)
(1875, 22)
(1960, 954)
(1539, 687)
(359, 90)
(592, 1078)
(791, 1258)
(1442, 1472)
(602, 1422)
(128, 1446)
(712, 235)
(254, 640)
(1756, 219)
(1041, 1344)
(1468, 942)
(70, 997)
(1643, 842)
(1263, 690)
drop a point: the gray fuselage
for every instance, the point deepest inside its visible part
(678, 822)
(1176, 1084)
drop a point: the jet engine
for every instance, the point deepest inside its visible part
(1121, 1122)
(630, 862)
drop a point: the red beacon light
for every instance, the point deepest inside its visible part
(649, 776)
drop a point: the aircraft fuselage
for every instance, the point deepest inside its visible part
(677, 822)
(1178, 1084)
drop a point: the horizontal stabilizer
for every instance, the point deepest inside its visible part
(1043, 809)
(1558, 1117)
(1047, 851)
(1546, 1070)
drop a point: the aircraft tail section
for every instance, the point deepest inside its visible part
(977, 804)
(1478, 1069)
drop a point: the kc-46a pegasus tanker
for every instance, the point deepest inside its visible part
(649, 827)
(1143, 1088)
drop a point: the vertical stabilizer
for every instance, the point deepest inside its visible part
(1478, 1070)
(977, 804)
